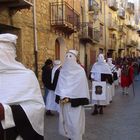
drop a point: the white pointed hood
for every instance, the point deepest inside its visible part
(101, 66)
(72, 81)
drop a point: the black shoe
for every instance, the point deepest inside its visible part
(95, 112)
(49, 113)
(101, 112)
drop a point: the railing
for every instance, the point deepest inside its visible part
(112, 24)
(113, 4)
(122, 28)
(121, 13)
(64, 17)
(88, 33)
(93, 6)
(16, 4)
(85, 33)
(130, 7)
(112, 43)
(130, 24)
(132, 43)
(96, 35)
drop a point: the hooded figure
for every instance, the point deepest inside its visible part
(50, 101)
(101, 72)
(72, 93)
(21, 103)
(114, 73)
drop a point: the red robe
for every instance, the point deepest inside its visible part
(126, 81)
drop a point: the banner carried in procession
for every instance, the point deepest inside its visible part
(98, 90)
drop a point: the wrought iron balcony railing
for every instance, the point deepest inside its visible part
(64, 18)
(113, 4)
(121, 13)
(130, 24)
(112, 24)
(130, 7)
(112, 43)
(96, 34)
(122, 29)
(88, 33)
(16, 4)
(132, 43)
(93, 6)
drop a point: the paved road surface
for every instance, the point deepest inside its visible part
(121, 120)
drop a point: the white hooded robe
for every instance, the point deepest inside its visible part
(72, 83)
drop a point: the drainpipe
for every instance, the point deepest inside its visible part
(105, 28)
(73, 28)
(35, 39)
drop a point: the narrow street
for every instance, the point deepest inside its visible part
(121, 120)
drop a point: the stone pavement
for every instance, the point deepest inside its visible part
(120, 121)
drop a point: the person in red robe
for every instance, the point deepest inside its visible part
(127, 73)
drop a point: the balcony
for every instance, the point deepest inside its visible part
(130, 7)
(96, 35)
(88, 34)
(64, 18)
(132, 43)
(113, 4)
(112, 44)
(122, 29)
(112, 24)
(93, 7)
(16, 4)
(112, 41)
(131, 24)
(121, 13)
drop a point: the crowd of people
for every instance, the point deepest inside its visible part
(68, 93)
(71, 90)
(66, 87)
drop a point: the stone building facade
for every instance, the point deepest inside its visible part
(38, 38)
(48, 28)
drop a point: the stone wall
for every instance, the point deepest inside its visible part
(46, 36)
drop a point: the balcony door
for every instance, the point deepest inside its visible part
(60, 49)
(57, 50)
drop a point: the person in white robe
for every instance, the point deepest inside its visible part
(72, 93)
(101, 72)
(118, 81)
(114, 73)
(50, 100)
(21, 102)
